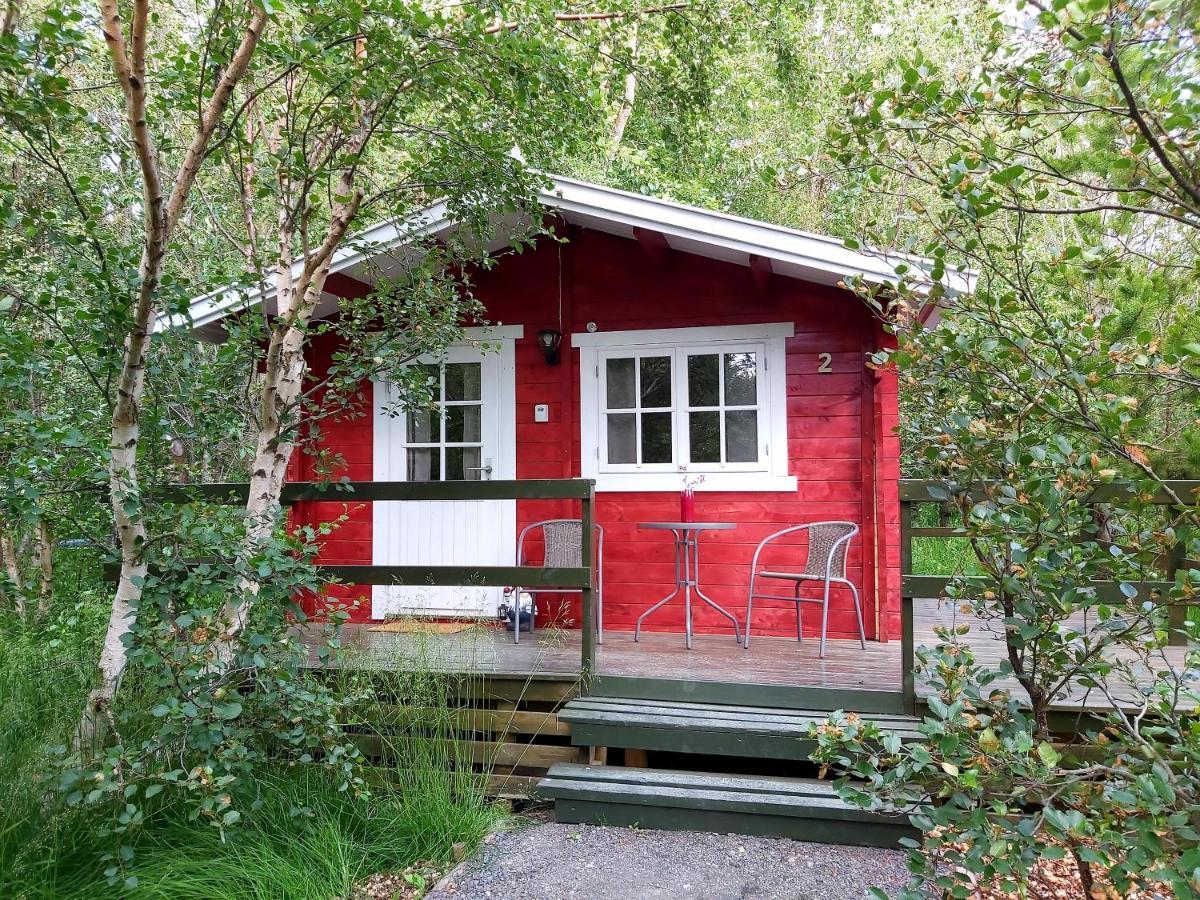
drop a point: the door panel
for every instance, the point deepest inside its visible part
(470, 435)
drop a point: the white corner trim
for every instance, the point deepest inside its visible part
(671, 482)
(702, 334)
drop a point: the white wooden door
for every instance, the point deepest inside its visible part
(469, 435)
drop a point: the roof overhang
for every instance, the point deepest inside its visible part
(760, 246)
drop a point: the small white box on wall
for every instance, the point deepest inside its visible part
(541, 412)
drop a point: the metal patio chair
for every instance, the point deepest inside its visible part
(828, 543)
(564, 548)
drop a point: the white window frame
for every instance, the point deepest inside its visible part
(768, 340)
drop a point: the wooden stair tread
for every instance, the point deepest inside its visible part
(796, 797)
(678, 778)
(792, 807)
(712, 717)
(765, 713)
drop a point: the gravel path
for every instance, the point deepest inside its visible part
(549, 861)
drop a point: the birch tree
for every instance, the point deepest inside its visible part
(163, 203)
(411, 105)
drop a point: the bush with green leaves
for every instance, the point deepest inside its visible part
(208, 710)
(993, 796)
(1028, 436)
(1055, 181)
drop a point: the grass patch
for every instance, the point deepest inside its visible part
(940, 555)
(943, 556)
(306, 840)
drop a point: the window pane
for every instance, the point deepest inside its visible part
(621, 390)
(424, 464)
(430, 376)
(459, 464)
(741, 436)
(423, 426)
(462, 381)
(622, 438)
(656, 381)
(741, 379)
(704, 433)
(656, 437)
(703, 372)
(462, 424)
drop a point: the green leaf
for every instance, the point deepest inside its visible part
(1047, 754)
(230, 710)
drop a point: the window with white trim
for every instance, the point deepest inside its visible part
(651, 405)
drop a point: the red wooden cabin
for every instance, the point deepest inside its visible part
(657, 305)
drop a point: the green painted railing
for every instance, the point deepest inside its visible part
(915, 492)
(581, 577)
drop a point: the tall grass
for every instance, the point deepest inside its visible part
(45, 673)
(306, 840)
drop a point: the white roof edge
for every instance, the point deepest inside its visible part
(818, 252)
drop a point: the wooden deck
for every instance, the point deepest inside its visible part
(774, 662)
(487, 650)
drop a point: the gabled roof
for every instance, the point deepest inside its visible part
(784, 251)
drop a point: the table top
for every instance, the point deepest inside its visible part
(688, 526)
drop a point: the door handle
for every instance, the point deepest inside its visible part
(486, 469)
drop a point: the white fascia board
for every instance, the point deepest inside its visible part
(801, 248)
(377, 239)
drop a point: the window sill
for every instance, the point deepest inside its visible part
(635, 482)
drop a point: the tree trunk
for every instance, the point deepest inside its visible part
(283, 377)
(160, 216)
(8, 554)
(126, 505)
(279, 405)
(625, 110)
(45, 545)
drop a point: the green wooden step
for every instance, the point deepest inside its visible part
(798, 808)
(705, 728)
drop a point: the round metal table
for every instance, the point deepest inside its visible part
(687, 572)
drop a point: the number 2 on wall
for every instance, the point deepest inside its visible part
(826, 362)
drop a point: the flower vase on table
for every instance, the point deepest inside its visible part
(687, 497)
(687, 505)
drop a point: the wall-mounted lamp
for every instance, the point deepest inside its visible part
(549, 340)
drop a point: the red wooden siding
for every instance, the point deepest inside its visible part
(348, 439)
(840, 428)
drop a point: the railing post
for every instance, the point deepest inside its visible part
(907, 651)
(587, 663)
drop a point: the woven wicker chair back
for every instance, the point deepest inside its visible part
(564, 544)
(821, 539)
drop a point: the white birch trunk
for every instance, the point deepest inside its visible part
(129, 66)
(12, 569)
(282, 385)
(625, 110)
(45, 545)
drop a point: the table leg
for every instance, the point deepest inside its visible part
(687, 584)
(637, 627)
(737, 633)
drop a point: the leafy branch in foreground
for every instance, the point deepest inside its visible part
(202, 726)
(993, 799)
(1059, 185)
